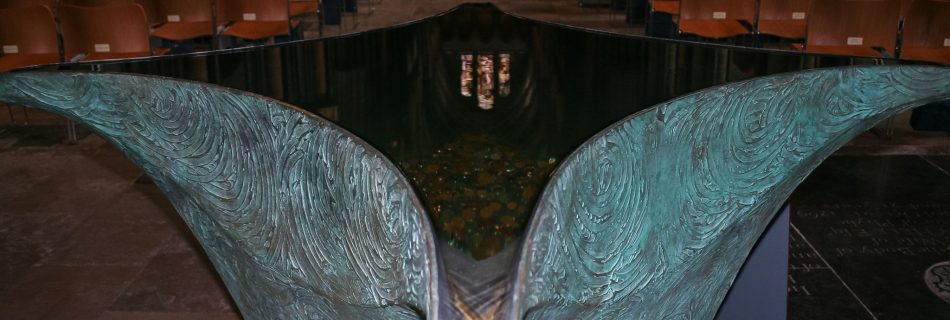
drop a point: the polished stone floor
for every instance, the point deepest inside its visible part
(82, 236)
(80, 239)
(864, 232)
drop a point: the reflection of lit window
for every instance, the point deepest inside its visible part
(466, 78)
(504, 74)
(485, 81)
(478, 77)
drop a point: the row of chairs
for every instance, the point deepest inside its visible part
(182, 12)
(909, 29)
(30, 31)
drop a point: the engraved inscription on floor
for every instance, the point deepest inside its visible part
(865, 232)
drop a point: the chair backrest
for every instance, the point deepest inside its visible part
(150, 10)
(28, 30)
(183, 10)
(784, 9)
(927, 24)
(253, 10)
(94, 3)
(110, 28)
(869, 23)
(26, 3)
(717, 9)
(227, 10)
(148, 5)
(905, 6)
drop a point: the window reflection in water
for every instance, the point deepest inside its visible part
(504, 75)
(466, 78)
(486, 72)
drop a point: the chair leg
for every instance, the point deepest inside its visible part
(342, 6)
(356, 15)
(886, 133)
(26, 116)
(10, 112)
(71, 137)
(889, 129)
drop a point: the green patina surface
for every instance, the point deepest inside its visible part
(649, 219)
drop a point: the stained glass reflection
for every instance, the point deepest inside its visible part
(466, 78)
(504, 75)
(486, 72)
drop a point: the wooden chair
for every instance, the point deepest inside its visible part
(105, 32)
(926, 33)
(905, 6)
(28, 37)
(26, 3)
(183, 19)
(666, 6)
(783, 18)
(151, 11)
(148, 5)
(716, 19)
(302, 7)
(662, 18)
(853, 27)
(255, 19)
(94, 3)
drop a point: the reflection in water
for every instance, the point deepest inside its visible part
(478, 190)
(486, 73)
(504, 74)
(466, 78)
(486, 76)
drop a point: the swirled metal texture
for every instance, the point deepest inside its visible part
(650, 219)
(301, 219)
(653, 217)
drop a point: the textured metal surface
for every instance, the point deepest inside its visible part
(649, 219)
(653, 217)
(301, 219)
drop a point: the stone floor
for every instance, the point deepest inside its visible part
(865, 230)
(79, 239)
(83, 237)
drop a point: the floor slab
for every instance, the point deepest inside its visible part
(879, 223)
(180, 279)
(65, 292)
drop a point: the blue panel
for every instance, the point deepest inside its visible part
(761, 288)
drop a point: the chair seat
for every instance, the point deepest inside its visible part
(303, 7)
(178, 31)
(716, 29)
(257, 30)
(790, 29)
(671, 7)
(939, 55)
(13, 61)
(161, 51)
(859, 51)
(115, 55)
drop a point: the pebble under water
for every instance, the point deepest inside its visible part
(478, 191)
